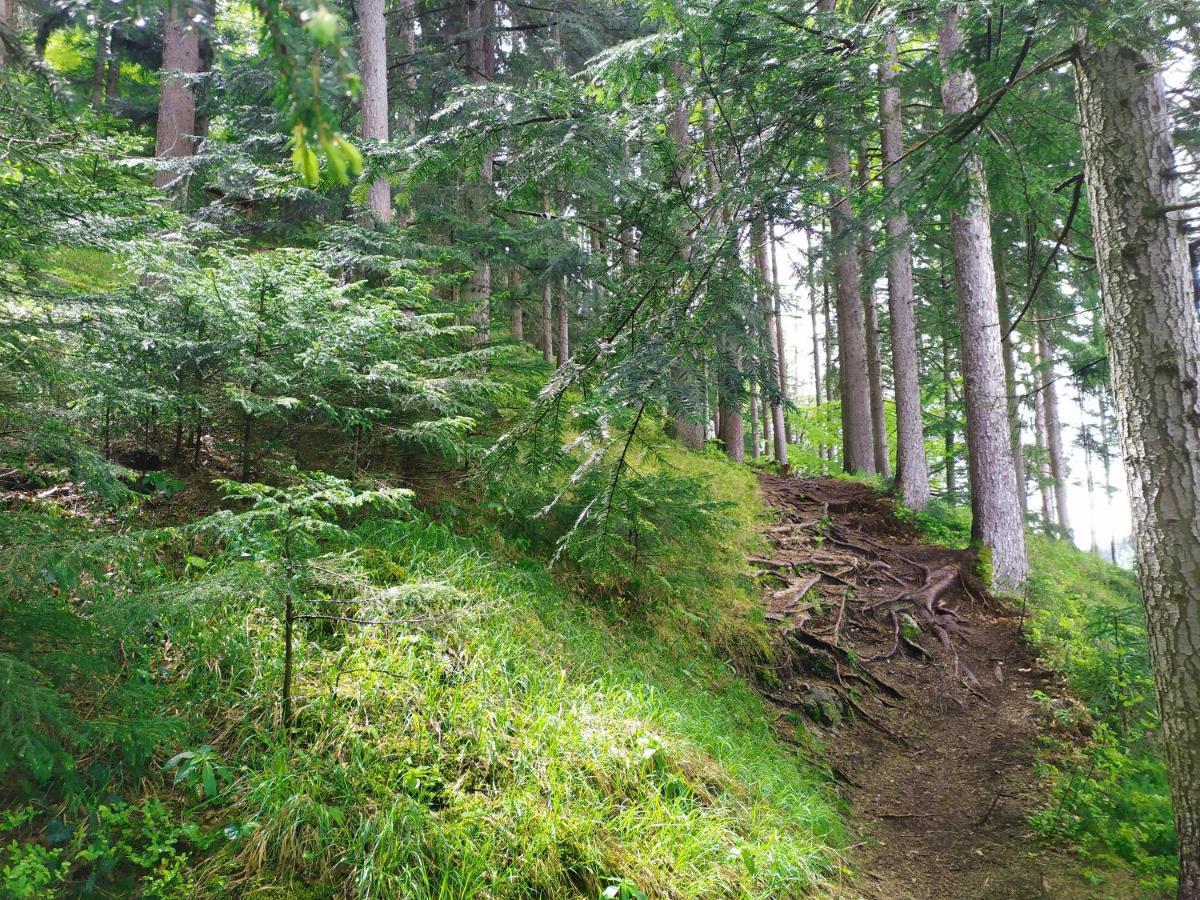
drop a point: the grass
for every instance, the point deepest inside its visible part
(506, 737)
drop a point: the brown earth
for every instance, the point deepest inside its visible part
(922, 688)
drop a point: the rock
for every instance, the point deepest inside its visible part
(822, 705)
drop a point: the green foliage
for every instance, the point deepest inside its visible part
(1103, 761)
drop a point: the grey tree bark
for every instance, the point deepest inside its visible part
(564, 322)
(755, 447)
(1008, 351)
(480, 60)
(866, 254)
(1049, 519)
(372, 51)
(1154, 354)
(772, 340)
(99, 63)
(547, 322)
(996, 524)
(780, 339)
(912, 464)
(177, 103)
(1054, 444)
(515, 291)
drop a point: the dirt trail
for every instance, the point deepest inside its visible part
(925, 690)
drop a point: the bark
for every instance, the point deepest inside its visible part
(996, 514)
(480, 15)
(912, 465)
(829, 336)
(866, 253)
(857, 441)
(514, 302)
(564, 334)
(1154, 354)
(177, 103)
(772, 339)
(731, 430)
(948, 454)
(780, 340)
(1049, 519)
(112, 81)
(372, 50)
(547, 322)
(755, 451)
(1008, 352)
(1054, 446)
(103, 35)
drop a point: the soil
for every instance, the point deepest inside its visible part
(922, 689)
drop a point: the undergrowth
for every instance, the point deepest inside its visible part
(495, 733)
(1101, 756)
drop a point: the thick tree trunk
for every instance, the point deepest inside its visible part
(112, 78)
(177, 103)
(731, 430)
(912, 464)
(1008, 352)
(1154, 353)
(372, 50)
(1054, 445)
(996, 513)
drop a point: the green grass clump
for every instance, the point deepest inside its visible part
(500, 736)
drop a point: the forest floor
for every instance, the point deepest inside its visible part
(926, 694)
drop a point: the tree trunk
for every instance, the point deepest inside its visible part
(755, 452)
(1154, 353)
(177, 103)
(857, 441)
(1008, 353)
(480, 16)
(514, 303)
(731, 430)
(103, 34)
(564, 322)
(780, 340)
(547, 321)
(912, 465)
(771, 339)
(1049, 519)
(996, 514)
(112, 79)
(372, 50)
(948, 423)
(1058, 465)
(866, 253)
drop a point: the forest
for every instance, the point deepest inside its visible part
(618, 449)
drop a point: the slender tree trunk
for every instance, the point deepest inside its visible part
(996, 514)
(103, 35)
(112, 79)
(780, 338)
(564, 333)
(829, 337)
(912, 464)
(755, 452)
(772, 340)
(1154, 354)
(948, 423)
(866, 253)
(514, 302)
(372, 51)
(177, 103)
(547, 321)
(1049, 519)
(1054, 445)
(1008, 352)
(857, 441)
(480, 15)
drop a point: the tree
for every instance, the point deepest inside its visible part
(372, 42)
(912, 467)
(177, 101)
(1154, 355)
(996, 514)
